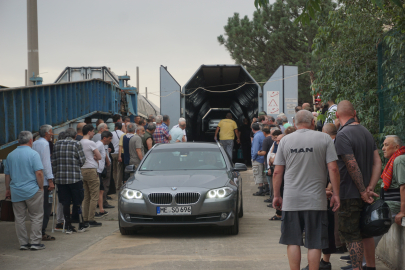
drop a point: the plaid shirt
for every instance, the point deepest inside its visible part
(67, 160)
(161, 134)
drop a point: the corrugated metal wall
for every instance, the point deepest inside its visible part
(27, 108)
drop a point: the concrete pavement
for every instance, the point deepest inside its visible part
(256, 246)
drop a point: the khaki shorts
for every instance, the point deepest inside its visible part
(258, 172)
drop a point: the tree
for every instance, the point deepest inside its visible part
(272, 39)
(349, 68)
(313, 6)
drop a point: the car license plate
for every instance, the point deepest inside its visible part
(176, 210)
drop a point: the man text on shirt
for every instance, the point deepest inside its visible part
(305, 157)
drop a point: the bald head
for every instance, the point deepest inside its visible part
(306, 106)
(79, 128)
(346, 109)
(330, 129)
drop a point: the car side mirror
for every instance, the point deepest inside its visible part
(130, 169)
(240, 167)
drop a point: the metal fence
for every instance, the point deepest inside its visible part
(391, 86)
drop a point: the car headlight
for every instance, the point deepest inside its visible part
(219, 193)
(131, 194)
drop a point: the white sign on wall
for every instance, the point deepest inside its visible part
(273, 102)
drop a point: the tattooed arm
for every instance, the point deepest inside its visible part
(357, 176)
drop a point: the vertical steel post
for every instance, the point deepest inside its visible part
(32, 40)
(283, 101)
(26, 77)
(146, 92)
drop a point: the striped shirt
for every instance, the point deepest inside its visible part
(67, 159)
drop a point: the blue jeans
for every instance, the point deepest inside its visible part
(228, 146)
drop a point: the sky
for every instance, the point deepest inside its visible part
(120, 34)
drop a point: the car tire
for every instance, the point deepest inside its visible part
(127, 231)
(241, 208)
(234, 230)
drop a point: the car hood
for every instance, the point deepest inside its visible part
(198, 178)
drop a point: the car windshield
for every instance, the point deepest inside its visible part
(183, 159)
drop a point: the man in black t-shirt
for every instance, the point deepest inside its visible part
(267, 143)
(359, 167)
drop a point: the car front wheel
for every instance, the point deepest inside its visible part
(241, 208)
(127, 231)
(234, 230)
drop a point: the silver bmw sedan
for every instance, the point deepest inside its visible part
(182, 184)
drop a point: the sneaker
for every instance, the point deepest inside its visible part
(95, 223)
(109, 198)
(59, 227)
(305, 268)
(325, 265)
(349, 262)
(100, 215)
(37, 246)
(81, 228)
(268, 200)
(108, 206)
(70, 230)
(345, 258)
(85, 225)
(25, 247)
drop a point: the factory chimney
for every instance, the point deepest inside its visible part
(32, 39)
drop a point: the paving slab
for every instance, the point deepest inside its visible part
(256, 246)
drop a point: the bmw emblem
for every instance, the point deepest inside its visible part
(174, 188)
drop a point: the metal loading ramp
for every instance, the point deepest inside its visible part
(29, 107)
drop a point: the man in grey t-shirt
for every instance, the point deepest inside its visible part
(305, 157)
(136, 150)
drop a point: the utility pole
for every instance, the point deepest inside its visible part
(312, 77)
(146, 92)
(137, 79)
(32, 39)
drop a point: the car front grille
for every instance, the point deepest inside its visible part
(160, 198)
(187, 197)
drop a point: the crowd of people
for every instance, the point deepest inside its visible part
(320, 173)
(79, 168)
